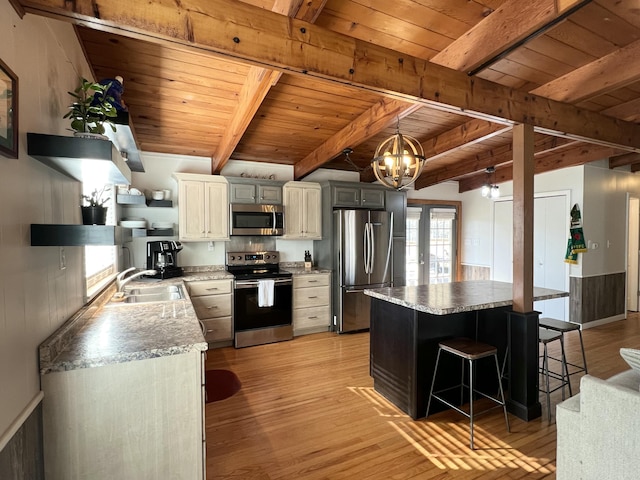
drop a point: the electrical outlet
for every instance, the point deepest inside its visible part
(63, 259)
(211, 246)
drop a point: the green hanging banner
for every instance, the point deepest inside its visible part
(576, 243)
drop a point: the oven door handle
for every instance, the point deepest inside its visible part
(254, 283)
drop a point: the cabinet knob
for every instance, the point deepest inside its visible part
(212, 306)
(315, 296)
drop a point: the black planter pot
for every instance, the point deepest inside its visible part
(94, 215)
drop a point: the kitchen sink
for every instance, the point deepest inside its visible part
(156, 293)
(155, 290)
(153, 297)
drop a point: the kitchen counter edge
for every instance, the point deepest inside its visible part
(457, 297)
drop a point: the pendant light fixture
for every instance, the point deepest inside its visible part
(489, 189)
(398, 160)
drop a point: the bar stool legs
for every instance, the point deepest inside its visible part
(563, 327)
(546, 337)
(469, 351)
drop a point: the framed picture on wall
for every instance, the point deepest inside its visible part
(8, 112)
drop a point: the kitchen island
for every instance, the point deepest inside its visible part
(408, 322)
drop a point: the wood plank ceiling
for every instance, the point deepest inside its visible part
(185, 100)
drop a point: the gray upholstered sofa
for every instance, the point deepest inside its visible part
(599, 429)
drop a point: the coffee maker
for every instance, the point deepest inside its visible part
(162, 257)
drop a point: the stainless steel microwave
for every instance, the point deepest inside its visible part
(251, 219)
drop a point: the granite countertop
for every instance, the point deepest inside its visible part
(116, 332)
(106, 332)
(456, 297)
(301, 270)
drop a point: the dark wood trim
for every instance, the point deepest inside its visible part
(17, 6)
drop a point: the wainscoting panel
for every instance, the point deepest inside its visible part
(595, 298)
(22, 457)
(474, 272)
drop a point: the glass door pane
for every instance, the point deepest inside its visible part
(441, 244)
(430, 244)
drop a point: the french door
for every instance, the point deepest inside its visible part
(431, 244)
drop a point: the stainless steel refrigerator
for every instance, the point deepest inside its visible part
(363, 239)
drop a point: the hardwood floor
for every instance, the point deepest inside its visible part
(307, 410)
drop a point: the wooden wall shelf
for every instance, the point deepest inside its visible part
(84, 159)
(45, 235)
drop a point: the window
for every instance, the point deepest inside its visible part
(100, 261)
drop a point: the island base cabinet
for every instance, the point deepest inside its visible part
(404, 348)
(136, 420)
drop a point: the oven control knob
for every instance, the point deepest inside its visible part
(232, 257)
(267, 257)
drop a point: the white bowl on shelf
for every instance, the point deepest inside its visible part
(133, 223)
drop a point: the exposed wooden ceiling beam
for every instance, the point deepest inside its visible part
(509, 25)
(562, 158)
(629, 111)
(256, 87)
(468, 133)
(623, 160)
(252, 35)
(635, 167)
(490, 158)
(372, 121)
(608, 73)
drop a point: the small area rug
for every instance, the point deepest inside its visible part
(221, 384)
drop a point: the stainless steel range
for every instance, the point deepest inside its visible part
(262, 300)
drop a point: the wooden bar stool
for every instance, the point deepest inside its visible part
(545, 338)
(563, 327)
(468, 350)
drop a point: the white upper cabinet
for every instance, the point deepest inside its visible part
(203, 207)
(302, 210)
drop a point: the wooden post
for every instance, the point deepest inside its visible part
(523, 163)
(523, 369)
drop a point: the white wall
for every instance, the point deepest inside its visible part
(36, 297)
(604, 217)
(477, 212)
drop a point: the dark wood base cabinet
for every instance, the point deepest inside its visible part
(404, 346)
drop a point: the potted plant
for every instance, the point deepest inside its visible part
(94, 212)
(92, 108)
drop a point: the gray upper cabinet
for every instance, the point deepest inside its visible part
(269, 194)
(396, 202)
(255, 193)
(357, 197)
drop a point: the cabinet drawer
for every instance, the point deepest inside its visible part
(214, 287)
(218, 329)
(212, 306)
(304, 318)
(310, 297)
(311, 280)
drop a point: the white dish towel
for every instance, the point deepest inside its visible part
(265, 293)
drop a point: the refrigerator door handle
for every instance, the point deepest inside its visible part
(365, 248)
(369, 248)
(372, 247)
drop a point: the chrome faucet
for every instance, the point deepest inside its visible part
(121, 281)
